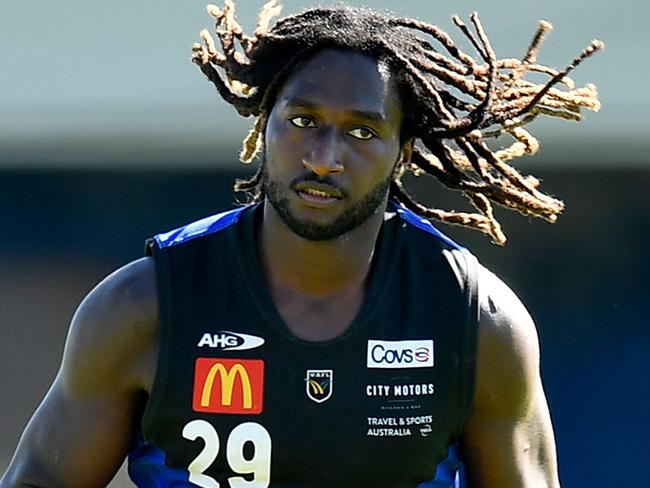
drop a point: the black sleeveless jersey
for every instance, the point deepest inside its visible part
(238, 401)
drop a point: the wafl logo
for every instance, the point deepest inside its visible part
(319, 384)
(400, 354)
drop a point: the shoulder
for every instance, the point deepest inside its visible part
(199, 228)
(89, 414)
(114, 332)
(420, 226)
(508, 348)
(508, 440)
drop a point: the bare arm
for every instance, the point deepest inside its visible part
(509, 440)
(81, 432)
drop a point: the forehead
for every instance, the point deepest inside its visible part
(343, 80)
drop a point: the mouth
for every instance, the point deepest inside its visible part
(318, 192)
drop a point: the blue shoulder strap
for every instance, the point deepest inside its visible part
(217, 222)
(423, 224)
(208, 225)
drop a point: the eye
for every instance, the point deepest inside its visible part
(362, 133)
(302, 121)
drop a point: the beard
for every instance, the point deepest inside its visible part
(350, 219)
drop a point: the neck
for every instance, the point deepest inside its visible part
(319, 269)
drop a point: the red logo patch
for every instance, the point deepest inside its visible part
(233, 386)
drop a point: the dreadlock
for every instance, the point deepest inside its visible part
(456, 103)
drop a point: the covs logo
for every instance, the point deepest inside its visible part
(400, 354)
(225, 340)
(228, 386)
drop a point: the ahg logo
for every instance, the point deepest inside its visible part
(230, 341)
(400, 354)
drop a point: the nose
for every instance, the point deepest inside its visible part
(324, 159)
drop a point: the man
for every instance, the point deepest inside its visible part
(326, 335)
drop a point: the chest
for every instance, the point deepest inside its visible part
(243, 394)
(318, 320)
(239, 400)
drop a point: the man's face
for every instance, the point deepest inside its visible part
(331, 143)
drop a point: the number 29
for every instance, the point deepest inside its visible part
(259, 465)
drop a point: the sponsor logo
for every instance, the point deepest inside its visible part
(229, 341)
(400, 391)
(319, 384)
(400, 354)
(403, 432)
(228, 386)
(398, 426)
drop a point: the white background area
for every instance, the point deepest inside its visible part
(110, 83)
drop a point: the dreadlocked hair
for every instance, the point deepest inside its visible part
(455, 102)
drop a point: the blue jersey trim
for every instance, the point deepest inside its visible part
(424, 224)
(208, 225)
(450, 473)
(215, 223)
(147, 468)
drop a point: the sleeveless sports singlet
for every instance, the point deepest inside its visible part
(238, 401)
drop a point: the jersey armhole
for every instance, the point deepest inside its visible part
(469, 347)
(162, 361)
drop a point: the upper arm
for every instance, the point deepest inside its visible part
(80, 433)
(508, 441)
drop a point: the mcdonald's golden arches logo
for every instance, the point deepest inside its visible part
(228, 386)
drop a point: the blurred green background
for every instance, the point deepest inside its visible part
(108, 135)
